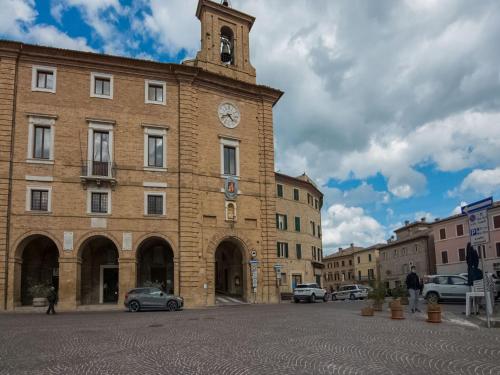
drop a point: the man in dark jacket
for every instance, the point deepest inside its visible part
(52, 298)
(413, 286)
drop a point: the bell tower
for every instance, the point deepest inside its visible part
(224, 41)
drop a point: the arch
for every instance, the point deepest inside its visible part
(91, 235)
(227, 45)
(166, 238)
(37, 269)
(155, 263)
(21, 241)
(98, 274)
(221, 236)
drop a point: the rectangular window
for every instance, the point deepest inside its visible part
(297, 224)
(319, 231)
(350, 262)
(155, 93)
(442, 234)
(369, 257)
(343, 264)
(498, 249)
(461, 255)
(39, 200)
(371, 274)
(283, 278)
(296, 195)
(298, 250)
(309, 199)
(313, 228)
(316, 204)
(281, 222)
(99, 203)
(460, 230)
(444, 257)
(313, 251)
(279, 190)
(155, 151)
(282, 250)
(359, 260)
(230, 160)
(101, 85)
(101, 154)
(43, 79)
(41, 142)
(496, 222)
(155, 204)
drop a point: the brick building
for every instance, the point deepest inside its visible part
(298, 220)
(366, 270)
(451, 236)
(413, 246)
(116, 172)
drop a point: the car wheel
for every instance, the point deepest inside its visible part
(325, 298)
(172, 306)
(312, 299)
(296, 300)
(334, 297)
(432, 297)
(134, 306)
(352, 297)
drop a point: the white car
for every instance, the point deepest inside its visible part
(445, 288)
(351, 292)
(309, 292)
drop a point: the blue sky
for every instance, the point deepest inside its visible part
(392, 107)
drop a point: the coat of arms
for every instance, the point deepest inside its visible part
(231, 188)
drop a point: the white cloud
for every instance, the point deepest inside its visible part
(458, 209)
(15, 14)
(482, 181)
(361, 195)
(343, 225)
(428, 216)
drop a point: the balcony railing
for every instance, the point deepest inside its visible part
(98, 172)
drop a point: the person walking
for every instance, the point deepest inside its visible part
(413, 286)
(52, 298)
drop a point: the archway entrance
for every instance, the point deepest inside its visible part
(39, 269)
(155, 264)
(99, 271)
(230, 280)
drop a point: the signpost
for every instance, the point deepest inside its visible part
(479, 232)
(277, 268)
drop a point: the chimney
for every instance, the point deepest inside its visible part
(352, 245)
(340, 249)
(407, 222)
(436, 219)
(422, 220)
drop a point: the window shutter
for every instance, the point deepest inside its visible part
(278, 249)
(277, 221)
(286, 250)
(286, 224)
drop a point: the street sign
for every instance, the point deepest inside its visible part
(253, 272)
(277, 268)
(478, 221)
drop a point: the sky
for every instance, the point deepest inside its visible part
(391, 106)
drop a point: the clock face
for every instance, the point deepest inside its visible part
(229, 115)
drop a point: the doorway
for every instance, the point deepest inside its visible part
(109, 284)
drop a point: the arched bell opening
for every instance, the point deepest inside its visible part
(227, 45)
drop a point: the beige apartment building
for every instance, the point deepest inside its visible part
(413, 246)
(116, 172)
(366, 269)
(451, 236)
(339, 268)
(298, 223)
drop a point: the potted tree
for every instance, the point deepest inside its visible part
(395, 304)
(377, 295)
(433, 312)
(39, 293)
(403, 295)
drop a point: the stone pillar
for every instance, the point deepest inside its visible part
(68, 283)
(126, 277)
(14, 283)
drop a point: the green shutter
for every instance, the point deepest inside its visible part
(278, 249)
(297, 224)
(277, 221)
(286, 250)
(298, 249)
(286, 222)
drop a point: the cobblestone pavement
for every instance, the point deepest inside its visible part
(321, 338)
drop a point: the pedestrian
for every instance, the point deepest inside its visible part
(52, 298)
(413, 286)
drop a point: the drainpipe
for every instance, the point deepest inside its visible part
(11, 166)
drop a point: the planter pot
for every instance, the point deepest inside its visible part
(397, 312)
(377, 306)
(434, 314)
(395, 303)
(405, 301)
(40, 302)
(367, 311)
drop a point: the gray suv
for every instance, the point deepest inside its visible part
(152, 299)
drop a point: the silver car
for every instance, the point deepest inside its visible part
(350, 291)
(445, 288)
(152, 299)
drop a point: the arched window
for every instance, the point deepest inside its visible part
(227, 45)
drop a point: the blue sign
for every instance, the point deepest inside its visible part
(478, 206)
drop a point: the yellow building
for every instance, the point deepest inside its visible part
(298, 223)
(366, 265)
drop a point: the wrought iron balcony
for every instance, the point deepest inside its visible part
(98, 172)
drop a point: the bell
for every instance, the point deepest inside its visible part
(225, 54)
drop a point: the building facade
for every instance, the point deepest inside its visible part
(117, 173)
(413, 246)
(339, 268)
(451, 236)
(298, 223)
(366, 265)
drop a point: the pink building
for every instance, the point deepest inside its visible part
(451, 236)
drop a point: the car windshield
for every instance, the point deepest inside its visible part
(305, 286)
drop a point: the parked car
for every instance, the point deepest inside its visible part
(309, 292)
(351, 292)
(445, 288)
(152, 299)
